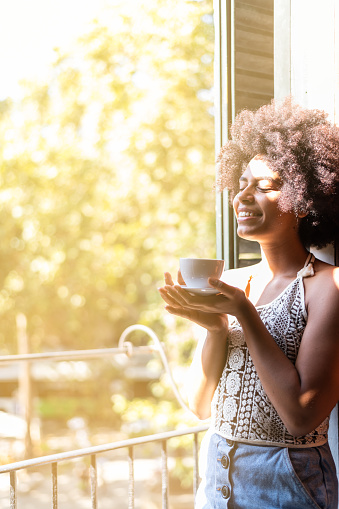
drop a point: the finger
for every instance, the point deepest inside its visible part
(168, 279)
(223, 288)
(183, 313)
(193, 303)
(174, 295)
(180, 279)
(198, 318)
(188, 298)
(167, 297)
(178, 294)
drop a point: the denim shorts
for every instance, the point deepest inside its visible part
(237, 475)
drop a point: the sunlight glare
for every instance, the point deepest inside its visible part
(31, 31)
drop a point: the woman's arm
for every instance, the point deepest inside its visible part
(205, 372)
(304, 394)
(210, 355)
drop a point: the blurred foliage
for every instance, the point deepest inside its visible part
(107, 173)
(63, 408)
(106, 179)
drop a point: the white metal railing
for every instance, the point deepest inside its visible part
(53, 460)
(124, 347)
(75, 354)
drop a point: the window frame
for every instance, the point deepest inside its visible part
(224, 83)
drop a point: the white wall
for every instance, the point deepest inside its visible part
(307, 53)
(306, 59)
(306, 66)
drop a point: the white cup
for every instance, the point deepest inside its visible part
(196, 271)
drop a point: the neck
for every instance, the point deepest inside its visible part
(282, 260)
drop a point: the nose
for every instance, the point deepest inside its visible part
(245, 194)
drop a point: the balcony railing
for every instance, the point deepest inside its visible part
(130, 445)
(54, 459)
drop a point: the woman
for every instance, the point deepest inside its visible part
(268, 370)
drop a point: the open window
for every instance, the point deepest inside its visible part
(244, 78)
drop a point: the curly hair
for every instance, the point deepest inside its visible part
(302, 146)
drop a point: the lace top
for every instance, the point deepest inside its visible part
(241, 410)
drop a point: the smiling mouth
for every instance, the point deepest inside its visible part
(247, 214)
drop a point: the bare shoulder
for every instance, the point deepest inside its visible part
(323, 288)
(326, 273)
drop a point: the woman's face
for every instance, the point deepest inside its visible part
(256, 205)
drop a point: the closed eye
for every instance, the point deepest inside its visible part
(262, 185)
(265, 189)
(267, 185)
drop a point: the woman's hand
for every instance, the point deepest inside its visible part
(209, 312)
(209, 358)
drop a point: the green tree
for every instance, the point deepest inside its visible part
(107, 174)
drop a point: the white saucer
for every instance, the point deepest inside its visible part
(201, 291)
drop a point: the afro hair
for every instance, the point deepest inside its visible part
(302, 146)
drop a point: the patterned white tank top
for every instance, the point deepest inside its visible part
(241, 410)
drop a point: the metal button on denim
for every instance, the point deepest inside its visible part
(225, 461)
(229, 442)
(225, 491)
